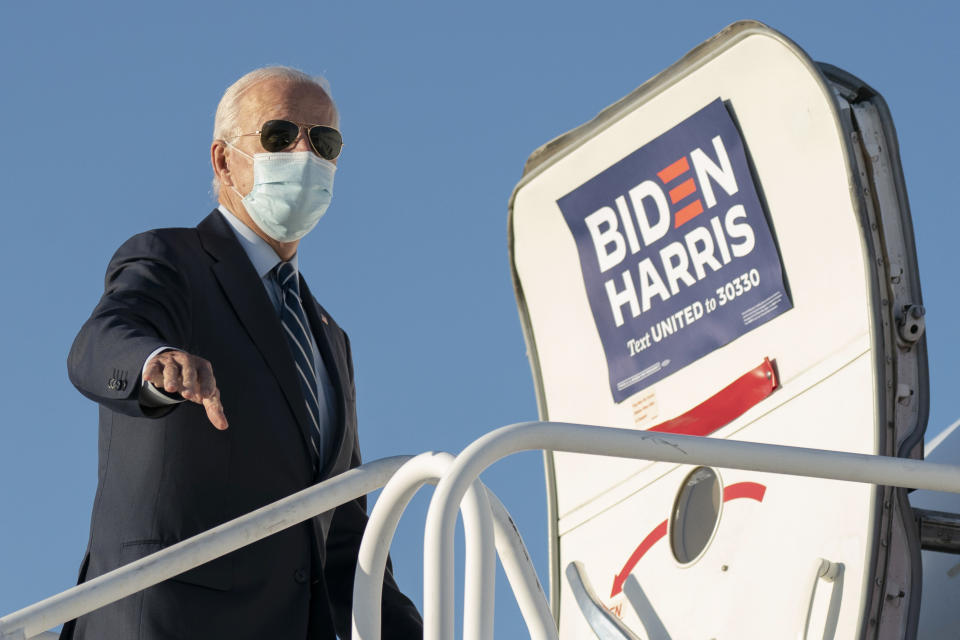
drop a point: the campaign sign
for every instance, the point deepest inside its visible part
(676, 252)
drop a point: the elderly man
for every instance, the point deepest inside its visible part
(223, 386)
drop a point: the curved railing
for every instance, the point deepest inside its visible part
(487, 528)
(484, 516)
(485, 519)
(372, 558)
(438, 574)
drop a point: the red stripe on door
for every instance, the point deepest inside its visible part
(725, 406)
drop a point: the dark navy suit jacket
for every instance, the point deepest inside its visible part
(166, 474)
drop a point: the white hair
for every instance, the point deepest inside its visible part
(226, 121)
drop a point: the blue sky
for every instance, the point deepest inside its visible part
(108, 111)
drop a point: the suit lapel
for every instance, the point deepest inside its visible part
(244, 289)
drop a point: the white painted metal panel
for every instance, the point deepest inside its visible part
(831, 353)
(754, 579)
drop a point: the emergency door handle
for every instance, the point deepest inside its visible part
(830, 573)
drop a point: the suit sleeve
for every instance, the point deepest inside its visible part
(145, 305)
(400, 619)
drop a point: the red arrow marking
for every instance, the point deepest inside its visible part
(752, 490)
(652, 538)
(744, 490)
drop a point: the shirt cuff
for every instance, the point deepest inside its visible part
(150, 395)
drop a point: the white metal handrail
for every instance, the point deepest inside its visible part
(483, 516)
(487, 526)
(438, 572)
(480, 563)
(192, 552)
(520, 573)
(458, 476)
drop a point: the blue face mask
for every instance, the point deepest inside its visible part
(291, 192)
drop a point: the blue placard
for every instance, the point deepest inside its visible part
(676, 252)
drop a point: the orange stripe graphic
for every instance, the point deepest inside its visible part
(669, 173)
(679, 193)
(692, 210)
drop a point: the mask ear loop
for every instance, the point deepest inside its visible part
(238, 150)
(243, 153)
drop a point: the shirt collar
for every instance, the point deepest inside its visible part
(261, 254)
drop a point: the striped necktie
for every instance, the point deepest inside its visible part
(296, 328)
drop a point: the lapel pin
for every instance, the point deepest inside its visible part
(323, 319)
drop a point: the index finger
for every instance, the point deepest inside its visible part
(215, 413)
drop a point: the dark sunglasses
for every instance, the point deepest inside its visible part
(277, 135)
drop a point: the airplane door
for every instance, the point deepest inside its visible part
(727, 252)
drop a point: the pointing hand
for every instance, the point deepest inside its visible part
(192, 377)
